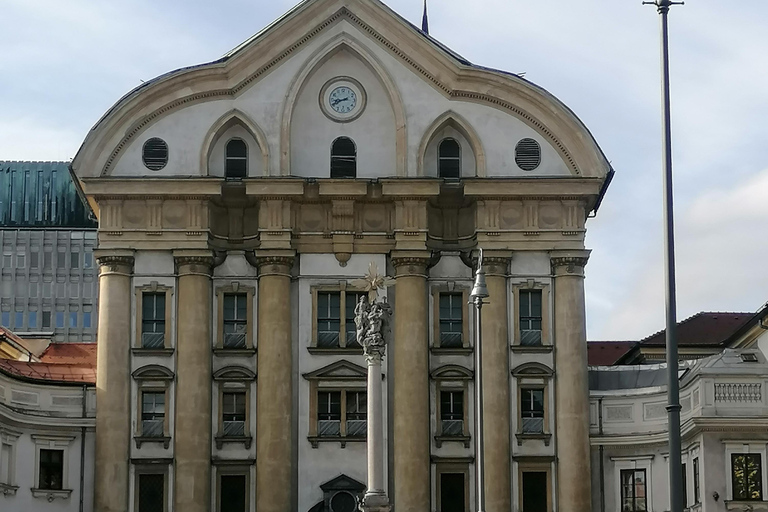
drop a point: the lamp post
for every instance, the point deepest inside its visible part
(479, 292)
(673, 390)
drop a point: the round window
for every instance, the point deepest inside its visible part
(527, 154)
(155, 154)
(343, 502)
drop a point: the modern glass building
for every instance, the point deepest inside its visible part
(47, 235)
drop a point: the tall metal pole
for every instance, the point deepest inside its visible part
(479, 292)
(673, 390)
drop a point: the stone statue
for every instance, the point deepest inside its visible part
(372, 326)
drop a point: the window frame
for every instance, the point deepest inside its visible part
(168, 345)
(534, 466)
(342, 288)
(750, 446)
(333, 144)
(696, 470)
(152, 379)
(227, 158)
(533, 376)
(451, 465)
(639, 462)
(234, 379)
(151, 469)
(236, 469)
(235, 288)
(440, 158)
(622, 496)
(451, 288)
(52, 442)
(9, 438)
(546, 340)
(746, 455)
(451, 378)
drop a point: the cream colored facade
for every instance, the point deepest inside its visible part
(286, 233)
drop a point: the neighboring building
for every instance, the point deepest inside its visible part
(724, 426)
(47, 420)
(237, 202)
(47, 236)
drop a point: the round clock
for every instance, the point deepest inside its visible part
(342, 99)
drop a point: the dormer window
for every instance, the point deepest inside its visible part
(449, 159)
(236, 159)
(343, 158)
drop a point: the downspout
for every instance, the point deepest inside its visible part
(82, 450)
(602, 450)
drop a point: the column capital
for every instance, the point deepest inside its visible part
(115, 261)
(411, 263)
(569, 262)
(273, 262)
(193, 262)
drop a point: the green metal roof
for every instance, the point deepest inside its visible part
(41, 195)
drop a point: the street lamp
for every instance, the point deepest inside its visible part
(479, 292)
(673, 389)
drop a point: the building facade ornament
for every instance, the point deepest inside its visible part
(197, 264)
(569, 265)
(115, 263)
(372, 326)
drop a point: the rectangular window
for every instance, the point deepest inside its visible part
(61, 260)
(696, 485)
(5, 319)
(329, 413)
(87, 319)
(232, 493)
(357, 410)
(74, 259)
(51, 469)
(152, 413)
(535, 491)
(72, 319)
(153, 320)
(685, 487)
(21, 260)
(235, 319)
(5, 463)
(328, 319)
(532, 410)
(530, 317)
(747, 476)
(88, 260)
(59, 319)
(451, 321)
(151, 492)
(34, 258)
(351, 300)
(46, 319)
(452, 413)
(633, 498)
(47, 257)
(32, 319)
(233, 414)
(18, 322)
(452, 492)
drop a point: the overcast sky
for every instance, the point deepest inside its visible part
(63, 64)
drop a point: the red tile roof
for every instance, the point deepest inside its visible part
(606, 353)
(59, 363)
(706, 328)
(70, 353)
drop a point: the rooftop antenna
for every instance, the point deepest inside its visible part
(425, 20)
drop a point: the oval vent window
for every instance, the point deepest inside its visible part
(527, 154)
(343, 502)
(155, 154)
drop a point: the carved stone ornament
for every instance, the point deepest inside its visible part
(274, 264)
(572, 264)
(193, 264)
(372, 326)
(410, 266)
(116, 263)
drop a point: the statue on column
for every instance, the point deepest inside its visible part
(372, 316)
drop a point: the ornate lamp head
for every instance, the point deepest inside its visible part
(479, 290)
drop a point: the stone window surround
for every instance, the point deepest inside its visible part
(10, 438)
(154, 287)
(154, 467)
(342, 287)
(537, 465)
(743, 446)
(320, 380)
(532, 376)
(233, 467)
(234, 379)
(634, 462)
(452, 465)
(250, 292)
(450, 287)
(451, 378)
(52, 442)
(546, 337)
(157, 379)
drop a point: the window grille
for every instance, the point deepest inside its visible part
(155, 154)
(527, 154)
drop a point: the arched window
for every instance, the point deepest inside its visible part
(449, 159)
(343, 158)
(237, 159)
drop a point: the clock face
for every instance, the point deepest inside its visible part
(342, 100)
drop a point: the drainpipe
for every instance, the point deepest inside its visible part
(602, 450)
(82, 450)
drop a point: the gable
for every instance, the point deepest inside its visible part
(256, 78)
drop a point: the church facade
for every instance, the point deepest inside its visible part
(238, 201)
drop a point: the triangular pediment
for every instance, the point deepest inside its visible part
(343, 483)
(340, 370)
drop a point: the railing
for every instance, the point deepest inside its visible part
(234, 428)
(452, 427)
(356, 428)
(451, 340)
(530, 338)
(152, 428)
(533, 425)
(152, 340)
(733, 392)
(328, 428)
(328, 339)
(234, 340)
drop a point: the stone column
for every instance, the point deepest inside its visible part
(113, 382)
(275, 384)
(571, 392)
(496, 415)
(410, 371)
(192, 440)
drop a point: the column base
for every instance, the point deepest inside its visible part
(375, 501)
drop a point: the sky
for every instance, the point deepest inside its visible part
(64, 64)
